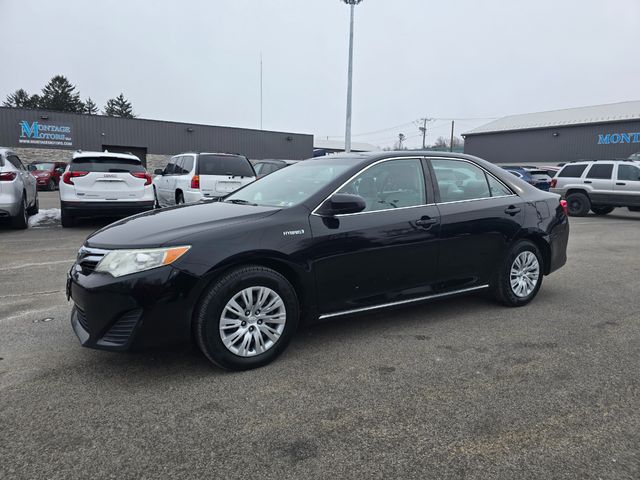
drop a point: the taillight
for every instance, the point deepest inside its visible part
(195, 181)
(7, 176)
(565, 208)
(553, 183)
(144, 175)
(69, 175)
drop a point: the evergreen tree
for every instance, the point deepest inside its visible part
(90, 107)
(21, 99)
(119, 107)
(60, 95)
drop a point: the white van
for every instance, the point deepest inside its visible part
(191, 177)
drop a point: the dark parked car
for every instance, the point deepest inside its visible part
(265, 167)
(539, 178)
(47, 174)
(319, 239)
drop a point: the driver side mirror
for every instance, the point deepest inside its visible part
(341, 204)
(158, 171)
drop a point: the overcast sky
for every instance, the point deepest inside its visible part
(199, 61)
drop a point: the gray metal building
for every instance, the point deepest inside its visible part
(597, 132)
(41, 134)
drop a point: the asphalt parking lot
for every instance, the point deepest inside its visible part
(459, 388)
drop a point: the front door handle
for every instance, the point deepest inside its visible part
(512, 210)
(620, 183)
(588, 181)
(427, 222)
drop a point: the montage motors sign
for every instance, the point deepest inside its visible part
(616, 138)
(36, 133)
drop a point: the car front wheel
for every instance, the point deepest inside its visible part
(66, 219)
(520, 276)
(246, 318)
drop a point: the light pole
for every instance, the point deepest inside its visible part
(347, 136)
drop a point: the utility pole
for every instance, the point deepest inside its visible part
(347, 135)
(422, 126)
(260, 90)
(453, 122)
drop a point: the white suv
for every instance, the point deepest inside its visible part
(191, 177)
(104, 184)
(599, 186)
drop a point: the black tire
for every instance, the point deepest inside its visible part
(501, 286)
(51, 186)
(179, 198)
(155, 197)
(35, 208)
(601, 209)
(21, 220)
(66, 219)
(213, 302)
(578, 204)
(634, 209)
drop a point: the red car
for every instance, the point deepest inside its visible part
(47, 174)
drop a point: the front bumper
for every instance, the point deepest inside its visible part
(96, 209)
(146, 309)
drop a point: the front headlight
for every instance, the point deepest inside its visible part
(124, 262)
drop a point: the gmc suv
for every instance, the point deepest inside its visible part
(599, 186)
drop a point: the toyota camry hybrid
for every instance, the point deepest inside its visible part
(323, 238)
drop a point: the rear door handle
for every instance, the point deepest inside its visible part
(426, 222)
(588, 181)
(620, 183)
(512, 210)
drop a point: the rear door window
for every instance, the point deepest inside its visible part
(230, 165)
(573, 171)
(601, 171)
(178, 169)
(106, 165)
(458, 180)
(187, 164)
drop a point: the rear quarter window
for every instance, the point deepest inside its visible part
(106, 164)
(573, 171)
(224, 165)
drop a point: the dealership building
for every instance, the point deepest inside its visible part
(593, 133)
(54, 136)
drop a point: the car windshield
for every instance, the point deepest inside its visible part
(106, 164)
(232, 165)
(292, 185)
(41, 166)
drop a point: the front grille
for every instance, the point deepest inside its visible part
(82, 319)
(88, 258)
(121, 331)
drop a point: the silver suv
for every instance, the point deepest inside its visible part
(599, 186)
(18, 193)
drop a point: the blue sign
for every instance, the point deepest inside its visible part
(45, 134)
(615, 138)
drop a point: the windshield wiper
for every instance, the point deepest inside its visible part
(240, 201)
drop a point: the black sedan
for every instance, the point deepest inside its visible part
(316, 240)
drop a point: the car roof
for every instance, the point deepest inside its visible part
(105, 154)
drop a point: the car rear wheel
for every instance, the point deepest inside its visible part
(634, 209)
(35, 208)
(520, 277)
(66, 219)
(179, 198)
(601, 210)
(21, 220)
(246, 318)
(578, 204)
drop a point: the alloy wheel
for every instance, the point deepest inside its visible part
(252, 321)
(525, 271)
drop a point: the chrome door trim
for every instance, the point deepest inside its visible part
(401, 302)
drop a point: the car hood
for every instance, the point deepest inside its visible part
(172, 226)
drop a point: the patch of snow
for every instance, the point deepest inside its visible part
(49, 217)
